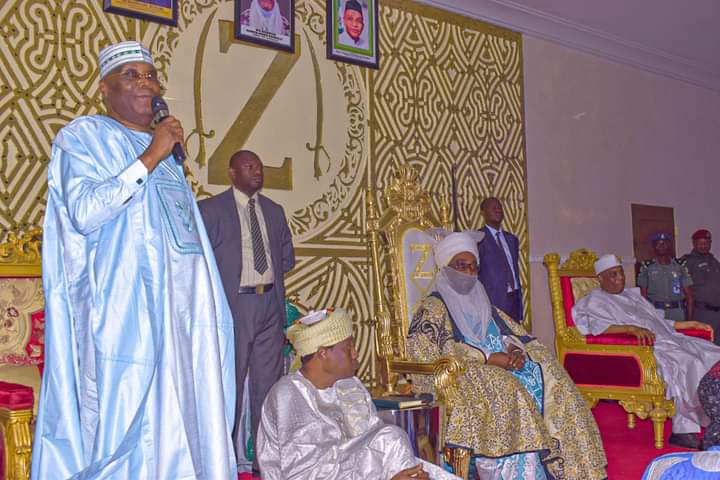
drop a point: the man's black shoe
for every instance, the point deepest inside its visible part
(685, 440)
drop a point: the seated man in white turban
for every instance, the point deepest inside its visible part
(320, 423)
(682, 360)
(517, 409)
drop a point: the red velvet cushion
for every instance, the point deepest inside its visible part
(603, 369)
(15, 396)
(613, 339)
(627, 339)
(697, 332)
(568, 299)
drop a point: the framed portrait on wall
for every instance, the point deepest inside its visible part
(266, 22)
(352, 32)
(160, 11)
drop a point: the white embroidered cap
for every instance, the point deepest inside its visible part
(606, 262)
(118, 54)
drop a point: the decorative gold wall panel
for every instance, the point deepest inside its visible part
(449, 94)
(449, 91)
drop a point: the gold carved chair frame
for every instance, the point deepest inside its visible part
(402, 263)
(19, 258)
(644, 401)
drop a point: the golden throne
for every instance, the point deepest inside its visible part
(607, 366)
(408, 279)
(21, 348)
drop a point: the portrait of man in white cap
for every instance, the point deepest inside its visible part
(320, 422)
(139, 367)
(682, 360)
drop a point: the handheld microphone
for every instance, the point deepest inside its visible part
(160, 113)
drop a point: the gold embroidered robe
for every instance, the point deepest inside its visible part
(495, 416)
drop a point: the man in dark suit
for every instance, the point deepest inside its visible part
(253, 249)
(498, 255)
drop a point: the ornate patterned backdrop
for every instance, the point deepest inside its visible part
(449, 93)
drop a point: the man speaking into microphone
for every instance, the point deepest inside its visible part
(139, 361)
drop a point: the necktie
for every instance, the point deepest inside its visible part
(509, 279)
(259, 258)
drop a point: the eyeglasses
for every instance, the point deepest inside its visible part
(464, 266)
(132, 75)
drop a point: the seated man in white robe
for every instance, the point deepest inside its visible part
(682, 361)
(320, 423)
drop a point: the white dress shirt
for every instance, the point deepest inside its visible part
(249, 277)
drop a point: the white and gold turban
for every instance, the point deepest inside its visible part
(320, 329)
(118, 54)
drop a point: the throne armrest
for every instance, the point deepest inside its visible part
(627, 339)
(613, 339)
(16, 403)
(14, 396)
(698, 333)
(445, 372)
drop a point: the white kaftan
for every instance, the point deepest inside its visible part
(682, 360)
(312, 434)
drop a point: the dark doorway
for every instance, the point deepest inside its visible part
(646, 221)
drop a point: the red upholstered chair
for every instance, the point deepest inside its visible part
(613, 367)
(22, 326)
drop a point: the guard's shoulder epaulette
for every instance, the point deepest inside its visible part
(682, 260)
(647, 263)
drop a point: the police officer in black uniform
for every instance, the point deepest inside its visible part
(704, 269)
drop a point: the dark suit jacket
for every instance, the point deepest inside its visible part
(223, 227)
(492, 267)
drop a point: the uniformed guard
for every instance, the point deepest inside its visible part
(704, 269)
(665, 281)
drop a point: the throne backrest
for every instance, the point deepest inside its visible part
(406, 264)
(573, 289)
(22, 303)
(412, 274)
(571, 280)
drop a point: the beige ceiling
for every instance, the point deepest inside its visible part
(676, 38)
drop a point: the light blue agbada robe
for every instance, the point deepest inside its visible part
(139, 359)
(685, 466)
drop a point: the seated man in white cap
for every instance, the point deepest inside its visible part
(139, 361)
(320, 423)
(517, 409)
(682, 360)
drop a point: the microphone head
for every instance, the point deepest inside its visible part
(158, 104)
(159, 108)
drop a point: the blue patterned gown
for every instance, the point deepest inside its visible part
(139, 373)
(530, 376)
